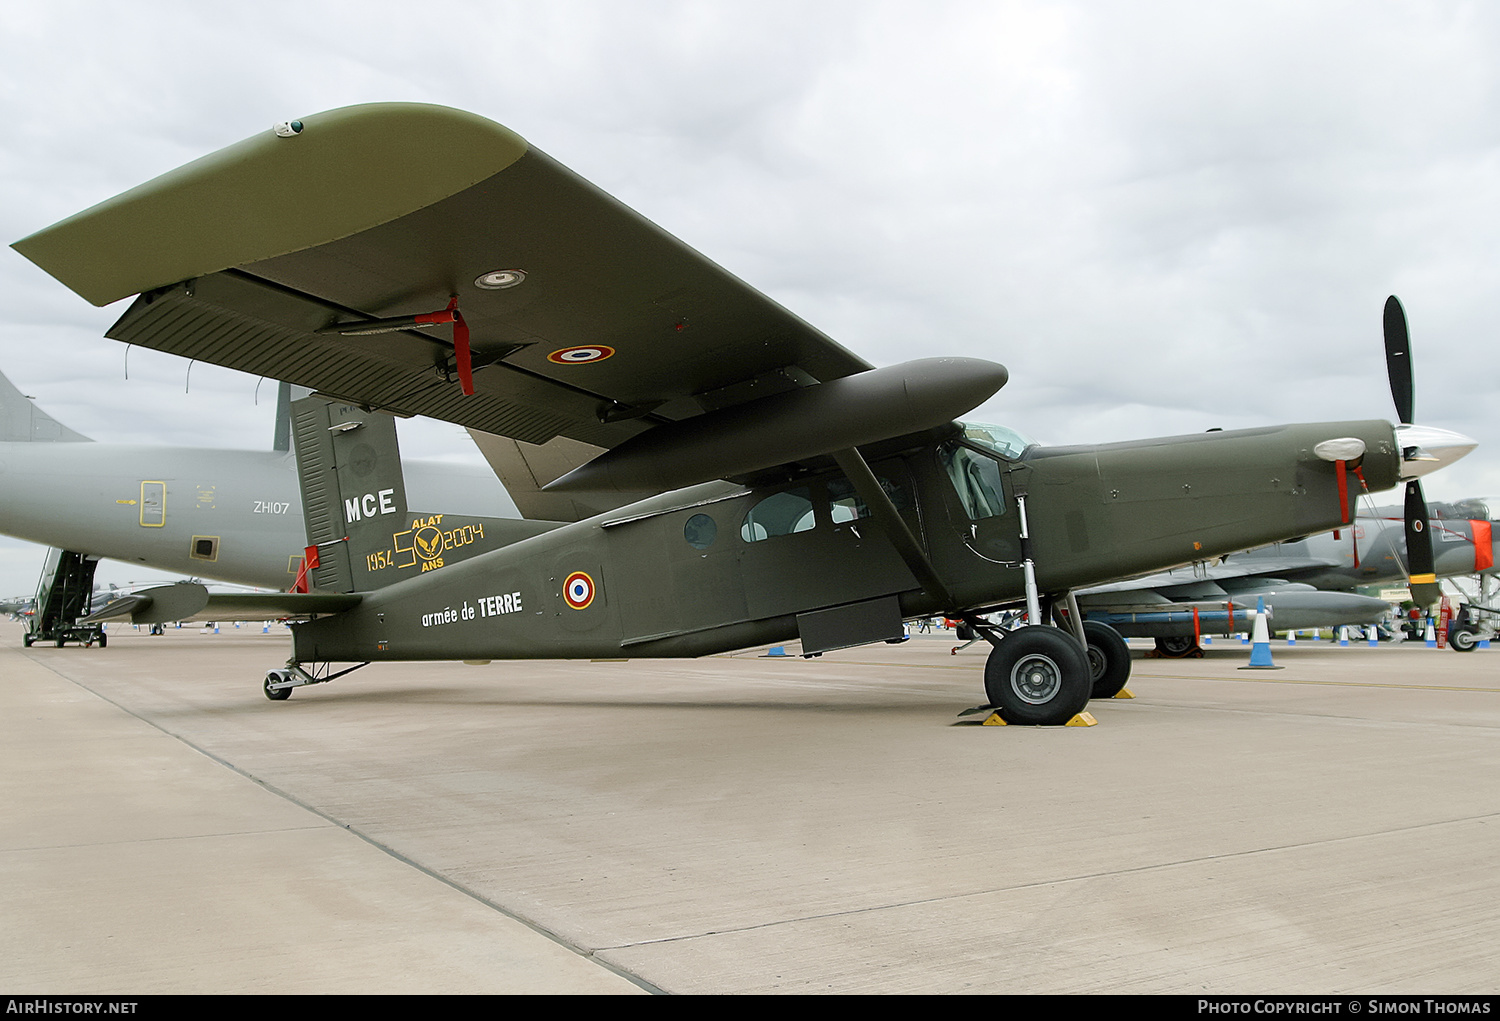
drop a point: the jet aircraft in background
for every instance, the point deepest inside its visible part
(1309, 582)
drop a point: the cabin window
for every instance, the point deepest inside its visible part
(700, 531)
(779, 514)
(845, 504)
(977, 480)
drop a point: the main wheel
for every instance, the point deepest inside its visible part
(1177, 648)
(1462, 639)
(1109, 659)
(103, 639)
(276, 694)
(1038, 675)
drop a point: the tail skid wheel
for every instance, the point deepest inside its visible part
(277, 694)
(1038, 675)
(1461, 639)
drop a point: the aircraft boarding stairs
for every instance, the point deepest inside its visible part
(65, 593)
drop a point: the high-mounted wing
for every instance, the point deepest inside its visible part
(396, 255)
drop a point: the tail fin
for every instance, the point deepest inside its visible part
(282, 439)
(354, 504)
(21, 421)
(349, 468)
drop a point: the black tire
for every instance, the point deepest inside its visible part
(1038, 675)
(275, 694)
(1109, 659)
(27, 639)
(1462, 639)
(103, 639)
(1177, 647)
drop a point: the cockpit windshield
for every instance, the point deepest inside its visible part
(1004, 442)
(1473, 509)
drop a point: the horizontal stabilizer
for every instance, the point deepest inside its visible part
(524, 468)
(188, 600)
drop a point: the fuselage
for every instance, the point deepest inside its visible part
(722, 566)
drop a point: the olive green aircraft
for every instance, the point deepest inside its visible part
(753, 481)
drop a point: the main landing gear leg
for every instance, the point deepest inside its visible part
(278, 684)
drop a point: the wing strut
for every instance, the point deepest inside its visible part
(894, 525)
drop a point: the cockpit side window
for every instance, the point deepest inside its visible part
(976, 478)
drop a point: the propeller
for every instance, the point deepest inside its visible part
(1419, 560)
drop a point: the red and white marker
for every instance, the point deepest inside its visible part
(581, 355)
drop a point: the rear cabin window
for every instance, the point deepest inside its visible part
(779, 514)
(845, 504)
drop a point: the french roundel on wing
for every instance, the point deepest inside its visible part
(578, 590)
(581, 355)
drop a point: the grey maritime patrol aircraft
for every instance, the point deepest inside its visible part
(765, 483)
(230, 516)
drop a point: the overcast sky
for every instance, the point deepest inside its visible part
(1162, 217)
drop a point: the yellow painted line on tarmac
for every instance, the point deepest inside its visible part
(1197, 677)
(1337, 684)
(1136, 674)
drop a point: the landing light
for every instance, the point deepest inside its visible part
(1345, 448)
(500, 279)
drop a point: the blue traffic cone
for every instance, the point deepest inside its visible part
(1260, 647)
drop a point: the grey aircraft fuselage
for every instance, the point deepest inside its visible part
(226, 515)
(1305, 583)
(1372, 551)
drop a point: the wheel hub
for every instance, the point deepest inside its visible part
(1036, 679)
(1097, 663)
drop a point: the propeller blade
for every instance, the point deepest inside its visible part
(1425, 589)
(1398, 359)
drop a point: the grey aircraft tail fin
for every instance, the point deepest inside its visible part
(282, 440)
(21, 421)
(354, 505)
